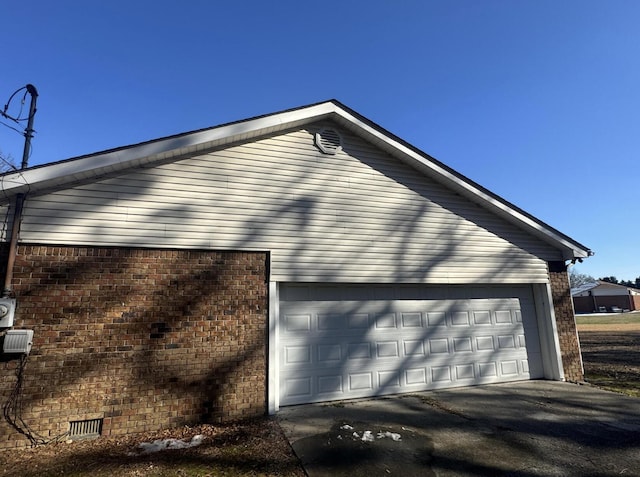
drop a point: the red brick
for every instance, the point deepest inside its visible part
(566, 326)
(93, 311)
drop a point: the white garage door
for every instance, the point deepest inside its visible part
(358, 341)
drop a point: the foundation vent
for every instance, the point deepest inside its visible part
(328, 141)
(87, 429)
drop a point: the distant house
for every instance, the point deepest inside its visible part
(604, 296)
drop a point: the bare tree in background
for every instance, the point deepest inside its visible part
(577, 279)
(7, 163)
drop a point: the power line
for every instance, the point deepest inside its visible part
(28, 89)
(11, 127)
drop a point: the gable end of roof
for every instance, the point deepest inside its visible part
(113, 161)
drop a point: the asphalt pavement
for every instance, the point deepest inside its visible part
(530, 428)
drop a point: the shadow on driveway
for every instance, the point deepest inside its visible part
(531, 428)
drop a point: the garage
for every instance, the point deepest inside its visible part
(343, 342)
(381, 270)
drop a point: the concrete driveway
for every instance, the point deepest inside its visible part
(532, 428)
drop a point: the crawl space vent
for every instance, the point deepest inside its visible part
(88, 429)
(329, 141)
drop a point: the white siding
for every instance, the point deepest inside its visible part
(6, 215)
(356, 216)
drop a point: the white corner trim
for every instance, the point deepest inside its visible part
(273, 369)
(548, 332)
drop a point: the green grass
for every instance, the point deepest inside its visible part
(624, 384)
(608, 319)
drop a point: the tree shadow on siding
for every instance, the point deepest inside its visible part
(296, 214)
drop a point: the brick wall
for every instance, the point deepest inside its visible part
(566, 325)
(583, 304)
(589, 304)
(143, 338)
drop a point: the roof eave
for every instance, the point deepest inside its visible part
(145, 154)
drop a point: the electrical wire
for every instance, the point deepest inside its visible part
(11, 127)
(6, 106)
(12, 410)
(24, 98)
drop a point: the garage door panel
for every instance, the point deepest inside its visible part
(297, 354)
(462, 345)
(436, 319)
(330, 384)
(506, 342)
(411, 320)
(440, 374)
(485, 343)
(438, 345)
(482, 318)
(359, 351)
(509, 368)
(300, 352)
(362, 383)
(413, 347)
(465, 371)
(487, 369)
(331, 322)
(385, 321)
(389, 381)
(339, 349)
(298, 388)
(460, 319)
(503, 317)
(387, 349)
(358, 321)
(415, 376)
(518, 314)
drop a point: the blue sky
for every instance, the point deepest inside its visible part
(538, 101)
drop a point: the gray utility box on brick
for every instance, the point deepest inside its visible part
(18, 341)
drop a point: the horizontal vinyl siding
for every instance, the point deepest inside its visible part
(6, 216)
(358, 215)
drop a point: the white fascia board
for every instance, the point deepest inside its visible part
(147, 153)
(32, 177)
(570, 251)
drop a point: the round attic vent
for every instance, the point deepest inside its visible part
(329, 141)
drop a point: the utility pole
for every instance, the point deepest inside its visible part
(17, 213)
(28, 132)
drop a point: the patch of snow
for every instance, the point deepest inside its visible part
(163, 444)
(367, 436)
(392, 435)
